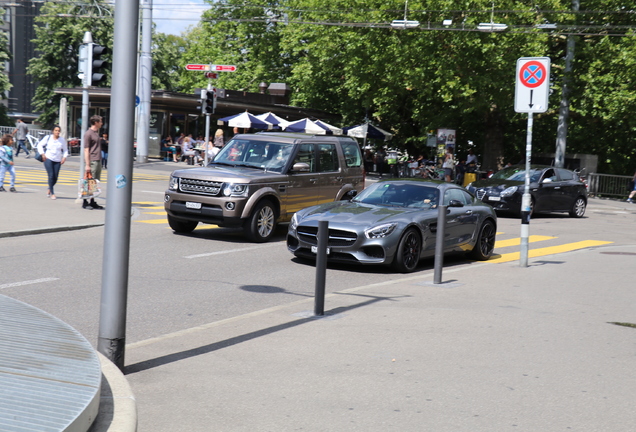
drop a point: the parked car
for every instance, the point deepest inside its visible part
(259, 180)
(395, 222)
(551, 190)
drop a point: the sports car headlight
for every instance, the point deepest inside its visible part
(380, 231)
(174, 183)
(509, 191)
(235, 190)
(294, 222)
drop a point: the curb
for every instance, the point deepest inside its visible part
(47, 230)
(117, 407)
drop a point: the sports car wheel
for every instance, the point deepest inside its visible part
(485, 242)
(408, 252)
(181, 226)
(578, 209)
(261, 224)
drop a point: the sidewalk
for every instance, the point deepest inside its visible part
(495, 347)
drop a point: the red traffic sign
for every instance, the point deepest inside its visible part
(224, 68)
(532, 89)
(198, 67)
(532, 74)
(211, 75)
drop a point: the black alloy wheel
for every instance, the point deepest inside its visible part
(485, 242)
(408, 252)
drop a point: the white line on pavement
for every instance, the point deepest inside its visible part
(29, 282)
(230, 251)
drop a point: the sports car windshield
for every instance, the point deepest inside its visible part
(271, 156)
(399, 195)
(517, 174)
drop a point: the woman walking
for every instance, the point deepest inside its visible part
(54, 151)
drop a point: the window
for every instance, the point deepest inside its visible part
(455, 194)
(328, 157)
(565, 174)
(353, 157)
(306, 155)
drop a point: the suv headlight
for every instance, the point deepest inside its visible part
(380, 231)
(235, 190)
(509, 191)
(174, 183)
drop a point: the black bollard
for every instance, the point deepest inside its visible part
(321, 267)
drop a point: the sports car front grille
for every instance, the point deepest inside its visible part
(309, 235)
(480, 194)
(200, 186)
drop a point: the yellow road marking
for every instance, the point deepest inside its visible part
(517, 241)
(154, 221)
(155, 213)
(533, 253)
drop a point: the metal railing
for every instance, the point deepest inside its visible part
(608, 185)
(37, 133)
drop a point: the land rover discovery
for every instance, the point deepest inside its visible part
(259, 180)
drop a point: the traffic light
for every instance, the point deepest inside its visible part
(210, 101)
(98, 65)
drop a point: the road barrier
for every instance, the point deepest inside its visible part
(608, 185)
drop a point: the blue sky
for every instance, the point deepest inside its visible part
(175, 16)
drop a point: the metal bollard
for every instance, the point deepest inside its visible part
(439, 244)
(321, 267)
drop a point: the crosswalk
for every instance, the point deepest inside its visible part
(38, 177)
(153, 213)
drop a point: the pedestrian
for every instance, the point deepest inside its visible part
(54, 151)
(380, 156)
(20, 132)
(631, 194)
(218, 139)
(448, 164)
(93, 157)
(6, 162)
(103, 143)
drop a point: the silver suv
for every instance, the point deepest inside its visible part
(259, 180)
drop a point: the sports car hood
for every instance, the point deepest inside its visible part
(495, 184)
(353, 213)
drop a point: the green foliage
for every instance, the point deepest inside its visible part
(4, 58)
(167, 53)
(57, 41)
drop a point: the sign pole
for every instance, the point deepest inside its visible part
(207, 130)
(526, 200)
(532, 92)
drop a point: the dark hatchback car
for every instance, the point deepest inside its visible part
(551, 189)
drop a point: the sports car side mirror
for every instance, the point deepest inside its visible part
(455, 203)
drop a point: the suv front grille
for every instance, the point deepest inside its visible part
(204, 187)
(336, 237)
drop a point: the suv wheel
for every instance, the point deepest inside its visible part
(261, 224)
(181, 226)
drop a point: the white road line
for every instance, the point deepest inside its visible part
(231, 251)
(30, 282)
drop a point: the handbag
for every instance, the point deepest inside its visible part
(88, 187)
(38, 155)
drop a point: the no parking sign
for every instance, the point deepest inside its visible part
(532, 84)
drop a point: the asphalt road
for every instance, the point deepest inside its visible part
(182, 281)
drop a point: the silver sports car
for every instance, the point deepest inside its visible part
(395, 222)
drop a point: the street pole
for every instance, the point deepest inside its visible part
(112, 321)
(207, 129)
(86, 82)
(526, 200)
(145, 83)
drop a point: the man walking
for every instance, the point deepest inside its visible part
(93, 156)
(21, 129)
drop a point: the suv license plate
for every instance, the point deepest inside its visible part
(193, 205)
(314, 249)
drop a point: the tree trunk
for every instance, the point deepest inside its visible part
(493, 147)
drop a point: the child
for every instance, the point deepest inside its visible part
(6, 162)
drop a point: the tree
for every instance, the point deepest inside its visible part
(59, 33)
(5, 85)
(167, 52)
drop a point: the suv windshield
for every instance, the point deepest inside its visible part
(517, 174)
(271, 156)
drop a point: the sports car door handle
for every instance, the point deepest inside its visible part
(469, 212)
